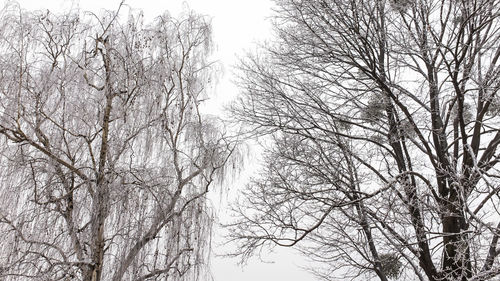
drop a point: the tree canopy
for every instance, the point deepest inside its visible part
(105, 156)
(381, 129)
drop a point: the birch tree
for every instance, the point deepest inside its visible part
(381, 127)
(105, 156)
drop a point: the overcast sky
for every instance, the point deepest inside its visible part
(237, 25)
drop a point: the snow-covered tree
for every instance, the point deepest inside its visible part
(381, 136)
(105, 156)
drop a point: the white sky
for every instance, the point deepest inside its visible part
(237, 25)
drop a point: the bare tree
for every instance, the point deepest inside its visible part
(382, 128)
(106, 157)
